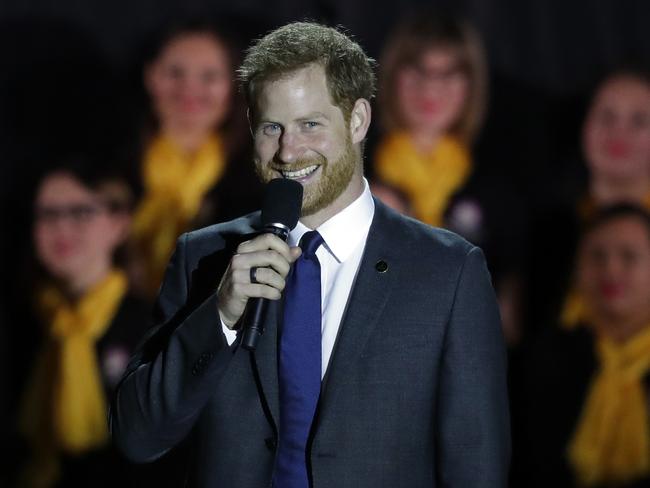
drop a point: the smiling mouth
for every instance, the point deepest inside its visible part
(301, 173)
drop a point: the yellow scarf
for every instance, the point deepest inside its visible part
(612, 441)
(64, 407)
(429, 180)
(574, 310)
(175, 185)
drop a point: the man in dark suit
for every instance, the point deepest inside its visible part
(410, 362)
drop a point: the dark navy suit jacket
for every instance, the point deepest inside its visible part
(414, 395)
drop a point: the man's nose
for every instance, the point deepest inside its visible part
(291, 147)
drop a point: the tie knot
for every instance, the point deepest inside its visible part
(310, 242)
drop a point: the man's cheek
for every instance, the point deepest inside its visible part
(264, 150)
(322, 144)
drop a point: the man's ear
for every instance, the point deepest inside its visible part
(249, 116)
(360, 120)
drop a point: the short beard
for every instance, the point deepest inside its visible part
(335, 178)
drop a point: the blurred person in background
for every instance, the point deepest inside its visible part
(432, 98)
(79, 330)
(432, 89)
(195, 170)
(616, 142)
(616, 165)
(588, 387)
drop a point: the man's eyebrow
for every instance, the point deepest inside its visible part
(266, 121)
(314, 115)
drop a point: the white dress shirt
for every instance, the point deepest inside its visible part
(345, 237)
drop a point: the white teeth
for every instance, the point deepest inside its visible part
(299, 174)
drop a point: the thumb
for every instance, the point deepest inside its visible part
(295, 253)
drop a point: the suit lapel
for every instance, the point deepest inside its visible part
(366, 303)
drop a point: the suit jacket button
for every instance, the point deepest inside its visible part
(381, 266)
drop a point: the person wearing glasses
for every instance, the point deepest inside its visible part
(85, 326)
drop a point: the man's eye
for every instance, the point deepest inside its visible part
(310, 124)
(271, 129)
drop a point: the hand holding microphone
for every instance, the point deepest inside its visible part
(257, 271)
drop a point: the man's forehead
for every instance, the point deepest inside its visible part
(304, 90)
(312, 73)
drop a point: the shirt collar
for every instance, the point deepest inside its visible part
(345, 230)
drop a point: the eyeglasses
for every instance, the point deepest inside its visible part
(416, 73)
(78, 214)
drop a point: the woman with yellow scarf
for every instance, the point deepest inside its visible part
(432, 98)
(188, 173)
(615, 168)
(432, 88)
(89, 326)
(589, 387)
(616, 141)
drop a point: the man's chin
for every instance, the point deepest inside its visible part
(311, 203)
(317, 202)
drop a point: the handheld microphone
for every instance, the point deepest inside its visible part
(280, 213)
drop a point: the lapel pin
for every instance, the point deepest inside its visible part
(381, 266)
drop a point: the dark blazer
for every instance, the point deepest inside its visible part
(415, 392)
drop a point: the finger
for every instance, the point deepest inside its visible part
(295, 253)
(257, 290)
(264, 276)
(269, 292)
(261, 259)
(265, 241)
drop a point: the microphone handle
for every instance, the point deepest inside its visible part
(256, 307)
(254, 323)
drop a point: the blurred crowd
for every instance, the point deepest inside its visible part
(570, 264)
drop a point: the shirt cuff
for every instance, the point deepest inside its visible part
(231, 335)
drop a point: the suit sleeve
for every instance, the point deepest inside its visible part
(170, 378)
(473, 440)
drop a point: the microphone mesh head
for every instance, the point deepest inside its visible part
(282, 202)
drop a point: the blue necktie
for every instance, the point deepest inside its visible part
(299, 364)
